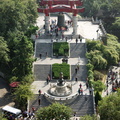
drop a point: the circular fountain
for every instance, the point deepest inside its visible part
(61, 88)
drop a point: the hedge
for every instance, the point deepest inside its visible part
(60, 49)
(57, 68)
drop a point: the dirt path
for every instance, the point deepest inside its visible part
(5, 97)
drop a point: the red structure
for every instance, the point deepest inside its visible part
(14, 84)
(51, 6)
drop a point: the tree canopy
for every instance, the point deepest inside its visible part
(3, 51)
(107, 7)
(22, 94)
(89, 117)
(17, 14)
(102, 56)
(109, 107)
(55, 111)
(98, 85)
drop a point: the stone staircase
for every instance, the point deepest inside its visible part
(83, 105)
(42, 48)
(81, 74)
(41, 71)
(34, 102)
(77, 50)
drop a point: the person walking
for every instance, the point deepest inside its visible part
(66, 39)
(78, 66)
(46, 54)
(79, 91)
(87, 85)
(76, 70)
(39, 91)
(80, 85)
(76, 40)
(80, 39)
(39, 101)
(40, 55)
(76, 79)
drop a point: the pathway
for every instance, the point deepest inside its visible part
(5, 98)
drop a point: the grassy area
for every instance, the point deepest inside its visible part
(60, 49)
(57, 68)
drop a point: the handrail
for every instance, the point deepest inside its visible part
(60, 98)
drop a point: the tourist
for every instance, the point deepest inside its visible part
(79, 91)
(40, 55)
(36, 36)
(39, 33)
(66, 39)
(39, 91)
(76, 40)
(87, 85)
(80, 39)
(76, 70)
(39, 100)
(80, 85)
(76, 79)
(74, 115)
(46, 54)
(78, 66)
(47, 81)
(33, 109)
(62, 36)
(90, 90)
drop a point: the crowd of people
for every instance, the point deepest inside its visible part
(113, 79)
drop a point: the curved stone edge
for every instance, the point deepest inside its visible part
(66, 100)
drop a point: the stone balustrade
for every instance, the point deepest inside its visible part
(66, 99)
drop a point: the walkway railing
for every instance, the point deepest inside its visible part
(66, 99)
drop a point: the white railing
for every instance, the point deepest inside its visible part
(66, 99)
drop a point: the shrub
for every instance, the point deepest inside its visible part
(57, 68)
(98, 75)
(97, 98)
(60, 49)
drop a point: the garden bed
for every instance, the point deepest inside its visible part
(60, 49)
(57, 68)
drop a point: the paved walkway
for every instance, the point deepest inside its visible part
(43, 86)
(5, 98)
(71, 61)
(85, 28)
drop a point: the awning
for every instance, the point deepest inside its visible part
(11, 110)
(14, 84)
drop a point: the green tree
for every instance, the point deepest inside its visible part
(111, 55)
(97, 98)
(109, 107)
(17, 14)
(98, 75)
(88, 117)
(21, 54)
(97, 59)
(90, 66)
(22, 94)
(98, 85)
(4, 55)
(3, 51)
(55, 111)
(115, 28)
